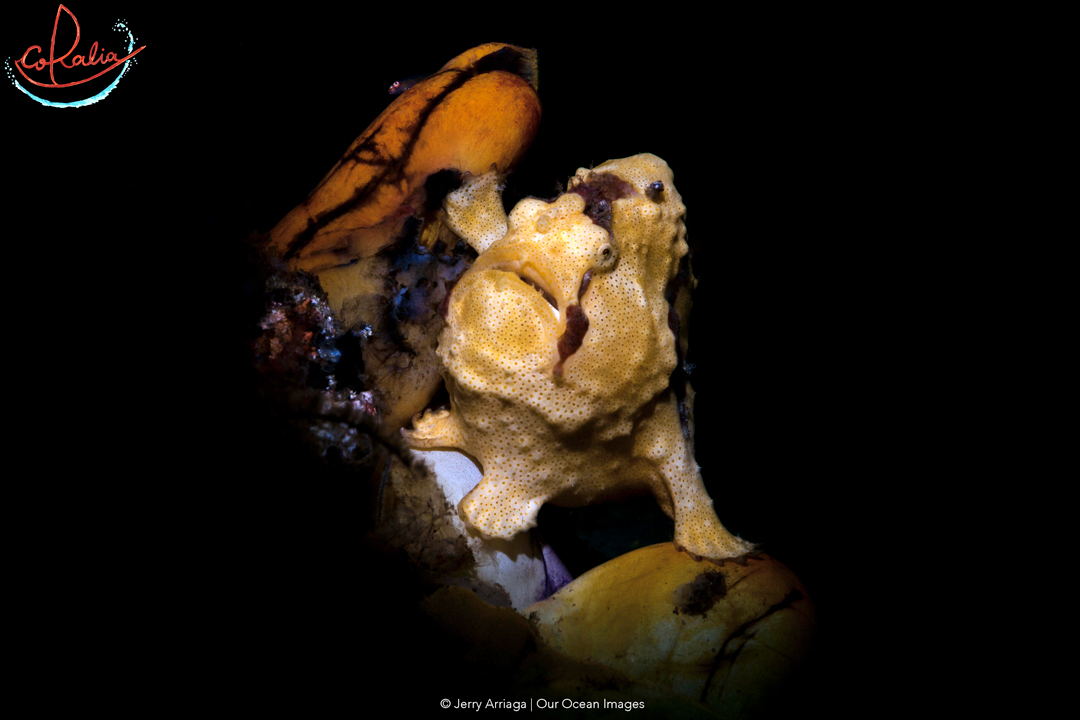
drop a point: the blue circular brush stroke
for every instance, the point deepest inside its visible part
(87, 101)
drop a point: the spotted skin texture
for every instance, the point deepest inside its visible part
(557, 356)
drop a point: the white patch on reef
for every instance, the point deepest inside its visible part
(516, 565)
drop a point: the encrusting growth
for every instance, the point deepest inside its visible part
(557, 355)
(371, 233)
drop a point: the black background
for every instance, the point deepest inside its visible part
(159, 514)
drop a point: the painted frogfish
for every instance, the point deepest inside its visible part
(558, 350)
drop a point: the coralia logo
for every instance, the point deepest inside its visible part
(95, 63)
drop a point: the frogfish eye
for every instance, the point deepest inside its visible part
(606, 256)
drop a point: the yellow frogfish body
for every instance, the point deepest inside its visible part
(557, 353)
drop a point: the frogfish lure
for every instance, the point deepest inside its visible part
(400, 86)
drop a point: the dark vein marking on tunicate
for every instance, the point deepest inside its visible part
(504, 59)
(792, 597)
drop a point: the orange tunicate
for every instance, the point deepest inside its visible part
(480, 110)
(557, 356)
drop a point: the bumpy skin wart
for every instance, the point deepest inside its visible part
(557, 355)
